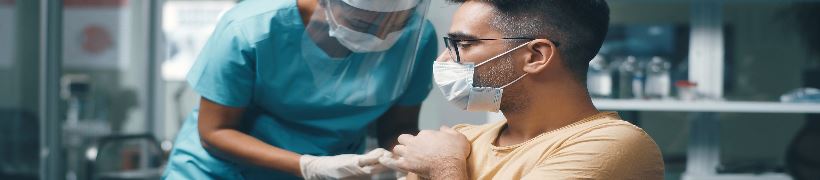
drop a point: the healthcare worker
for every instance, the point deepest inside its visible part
(289, 88)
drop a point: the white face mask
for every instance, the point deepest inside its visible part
(359, 42)
(456, 82)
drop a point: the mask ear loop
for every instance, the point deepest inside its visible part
(516, 80)
(499, 55)
(329, 14)
(525, 74)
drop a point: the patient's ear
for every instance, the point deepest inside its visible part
(544, 55)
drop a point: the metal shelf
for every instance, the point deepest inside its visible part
(706, 106)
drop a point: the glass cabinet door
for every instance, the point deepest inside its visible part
(19, 101)
(106, 85)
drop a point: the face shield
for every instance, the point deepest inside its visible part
(362, 52)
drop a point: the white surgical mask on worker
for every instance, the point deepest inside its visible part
(356, 41)
(456, 82)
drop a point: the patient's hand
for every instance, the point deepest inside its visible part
(432, 154)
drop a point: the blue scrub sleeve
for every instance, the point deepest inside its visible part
(224, 72)
(420, 84)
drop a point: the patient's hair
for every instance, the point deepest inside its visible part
(578, 26)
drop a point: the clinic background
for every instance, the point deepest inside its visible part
(95, 88)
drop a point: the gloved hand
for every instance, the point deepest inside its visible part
(391, 161)
(345, 166)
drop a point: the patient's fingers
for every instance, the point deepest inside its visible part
(425, 133)
(448, 130)
(405, 138)
(390, 161)
(399, 150)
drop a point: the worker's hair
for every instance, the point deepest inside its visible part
(578, 26)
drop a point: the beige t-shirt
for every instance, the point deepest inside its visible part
(599, 147)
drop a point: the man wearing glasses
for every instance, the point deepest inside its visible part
(528, 59)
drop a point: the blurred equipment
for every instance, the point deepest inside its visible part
(125, 157)
(17, 158)
(802, 159)
(687, 90)
(85, 121)
(802, 95)
(645, 59)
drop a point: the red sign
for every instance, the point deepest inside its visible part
(94, 3)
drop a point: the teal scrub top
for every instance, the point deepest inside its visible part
(253, 61)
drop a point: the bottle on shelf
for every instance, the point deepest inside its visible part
(599, 78)
(657, 78)
(630, 81)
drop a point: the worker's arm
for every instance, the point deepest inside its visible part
(219, 132)
(396, 121)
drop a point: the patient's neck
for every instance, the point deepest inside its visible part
(551, 105)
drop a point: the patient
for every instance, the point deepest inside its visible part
(528, 59)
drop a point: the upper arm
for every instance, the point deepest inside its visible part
(213, 116)
(223, 75)
(615, 153)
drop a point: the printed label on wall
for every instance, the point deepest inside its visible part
(95, 34)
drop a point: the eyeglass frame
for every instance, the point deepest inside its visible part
(452, 44)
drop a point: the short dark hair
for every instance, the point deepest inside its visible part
(579, 26)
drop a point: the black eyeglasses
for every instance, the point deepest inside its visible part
(452, 44)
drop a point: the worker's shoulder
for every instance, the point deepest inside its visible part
(260, 15)
(473, 131)
(255, 8)
(254, 20)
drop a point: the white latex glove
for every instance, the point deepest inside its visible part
(345, 166)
